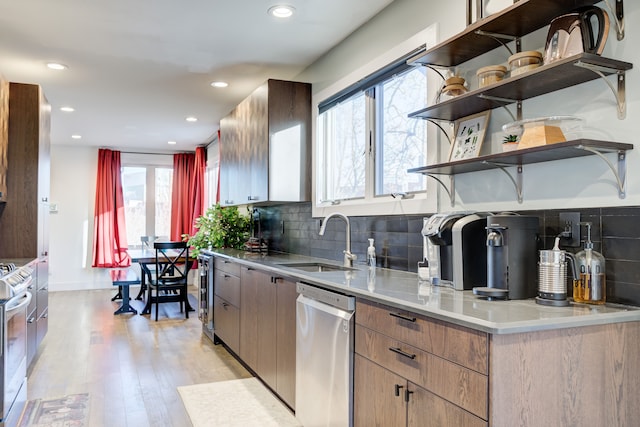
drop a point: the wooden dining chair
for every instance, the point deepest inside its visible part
(169, 280)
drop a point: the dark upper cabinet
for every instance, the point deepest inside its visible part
(24, 218)
(265, 146)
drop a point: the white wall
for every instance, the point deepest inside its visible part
(73, 180)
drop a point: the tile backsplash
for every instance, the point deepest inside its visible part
(615, 233)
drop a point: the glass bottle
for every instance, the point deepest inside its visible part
(590, 287)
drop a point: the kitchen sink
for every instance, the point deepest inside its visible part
(316, 267)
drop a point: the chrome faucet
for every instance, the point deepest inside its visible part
(348, 256)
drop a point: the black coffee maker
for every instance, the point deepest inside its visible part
(512, 245)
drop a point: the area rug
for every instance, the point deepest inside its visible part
(67, 411)
(235, 403)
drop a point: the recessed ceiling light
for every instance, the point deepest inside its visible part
(191, 119)
(281, 11)
(171, 142)
(219, 84)
(67, 109)
(76, 136)
(56, 66)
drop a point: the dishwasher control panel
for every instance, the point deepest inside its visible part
(328, 297)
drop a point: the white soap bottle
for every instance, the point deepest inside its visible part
(371, 254)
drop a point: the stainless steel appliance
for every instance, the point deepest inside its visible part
(14, 300)
(512, 245)
(324, 357)
(439, 251)
(205, 294)
(456, 249)
(574, 33)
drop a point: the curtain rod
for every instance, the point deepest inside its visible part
(157, 154)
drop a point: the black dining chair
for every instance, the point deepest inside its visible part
(169, 280)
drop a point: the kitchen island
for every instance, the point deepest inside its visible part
(470, 361)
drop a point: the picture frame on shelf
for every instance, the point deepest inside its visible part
(469, 136)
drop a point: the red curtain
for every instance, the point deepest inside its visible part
(187, 198)
(109, 231)
(200, 168)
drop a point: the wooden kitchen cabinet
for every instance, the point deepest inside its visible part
(4, 136)
(267, 329)
(24, 218)
(226, 303)
(439, 372)
(258, 324)
(265, 146)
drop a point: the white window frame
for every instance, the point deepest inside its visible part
(422, 202)
(150, 162)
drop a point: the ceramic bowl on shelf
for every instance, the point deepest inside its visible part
(509, 146)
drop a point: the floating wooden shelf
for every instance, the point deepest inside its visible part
(518, 158)
(523, 17)
(539, 81)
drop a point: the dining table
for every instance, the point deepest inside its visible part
(146, 258)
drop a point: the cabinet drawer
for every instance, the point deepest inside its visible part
(227, 266)
(226, 321)
(457, 384)
(425, 409)
(227, 287)
(458, 344)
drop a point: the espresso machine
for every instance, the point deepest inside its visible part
(512, 247)
(456, 249)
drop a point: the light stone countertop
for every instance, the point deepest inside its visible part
(405, 291)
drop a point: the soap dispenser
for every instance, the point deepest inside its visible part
(590, 265)
(371, 254)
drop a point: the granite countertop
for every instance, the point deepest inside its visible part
(404, 290)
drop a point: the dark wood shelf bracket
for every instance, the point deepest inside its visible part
(619, 93)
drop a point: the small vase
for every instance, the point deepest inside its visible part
(509, 146)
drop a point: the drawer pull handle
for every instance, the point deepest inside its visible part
(402, 353)
(400, 316)
(398, 387)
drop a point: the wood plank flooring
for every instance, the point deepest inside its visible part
(130, 364)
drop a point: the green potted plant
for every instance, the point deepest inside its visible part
(510, 143)
(219, 227)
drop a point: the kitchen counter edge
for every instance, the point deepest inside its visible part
(397, 289)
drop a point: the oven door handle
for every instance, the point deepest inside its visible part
(27, 299)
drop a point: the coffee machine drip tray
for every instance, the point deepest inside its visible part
(491, 293)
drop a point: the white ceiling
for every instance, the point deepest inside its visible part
(138, 68)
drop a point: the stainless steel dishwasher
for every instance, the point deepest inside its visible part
(324, 357)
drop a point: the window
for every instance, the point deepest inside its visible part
(402, 142)
(365, 140)
(147, 200)
(342, 157)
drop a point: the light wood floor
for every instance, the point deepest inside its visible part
(129, 364)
